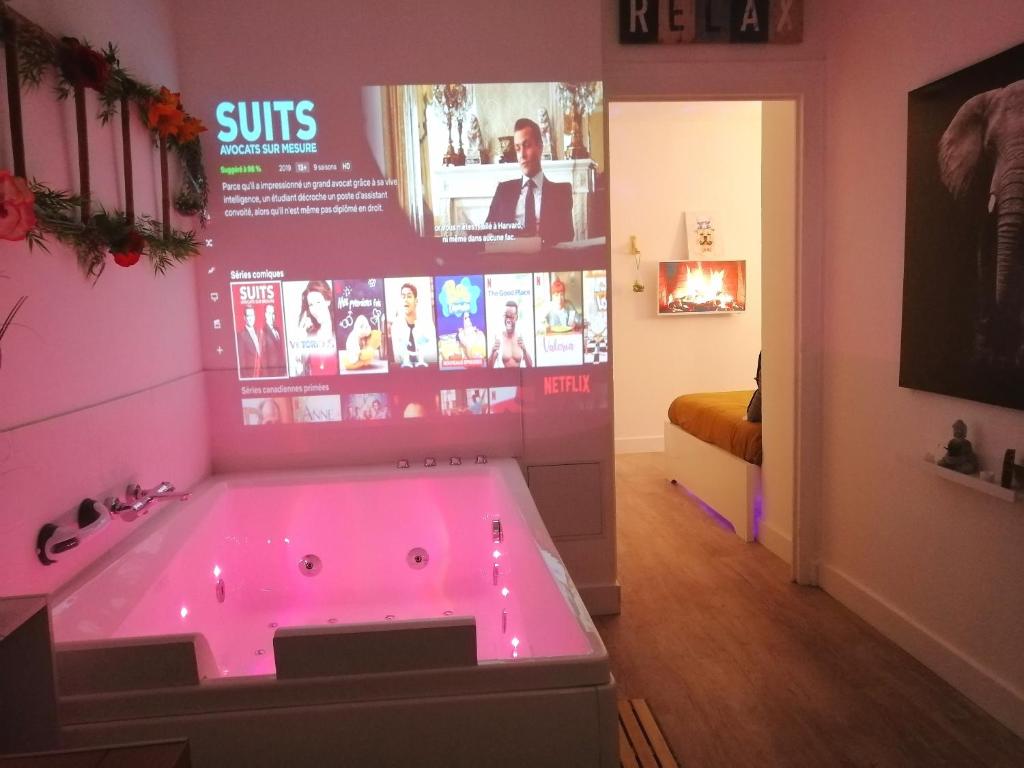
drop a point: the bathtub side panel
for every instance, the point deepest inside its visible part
(559, 728)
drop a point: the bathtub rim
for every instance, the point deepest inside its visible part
(208, 490)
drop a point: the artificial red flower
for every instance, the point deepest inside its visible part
(81, 66)
(128, 251)
(190, 129)
(17, 207)
(164, 113)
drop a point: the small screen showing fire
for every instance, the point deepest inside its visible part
(695, 287)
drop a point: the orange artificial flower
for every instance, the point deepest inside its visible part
(190, 129)
(164, 114)
(17, 207)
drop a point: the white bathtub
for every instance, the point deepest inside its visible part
(281, 618)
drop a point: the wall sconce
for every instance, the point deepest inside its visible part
(638, 284)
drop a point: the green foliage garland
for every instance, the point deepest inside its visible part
(107, 231)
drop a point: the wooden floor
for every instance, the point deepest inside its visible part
(744, 668)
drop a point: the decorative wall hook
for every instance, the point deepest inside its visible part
(638, 284)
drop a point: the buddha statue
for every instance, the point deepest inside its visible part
(960, 455)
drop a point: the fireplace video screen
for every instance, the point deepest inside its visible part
(701, 287)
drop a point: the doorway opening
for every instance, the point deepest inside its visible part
(681, 172)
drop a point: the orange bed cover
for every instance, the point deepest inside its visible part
(719, 418)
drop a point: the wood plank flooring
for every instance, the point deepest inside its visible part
(745, 668)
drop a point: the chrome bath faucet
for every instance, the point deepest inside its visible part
(137, 499)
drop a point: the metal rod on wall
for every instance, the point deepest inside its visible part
(14, 93)
(165, 191)
(83, 152)
(126, 145)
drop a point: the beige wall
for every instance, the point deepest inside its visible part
(937, 566)
(668, 158)
(779, 174)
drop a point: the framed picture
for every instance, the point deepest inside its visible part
(701, 287)
(704, 235)
(963, 278)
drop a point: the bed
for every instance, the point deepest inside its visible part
(715, 453)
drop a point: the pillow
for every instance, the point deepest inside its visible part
(754, 406)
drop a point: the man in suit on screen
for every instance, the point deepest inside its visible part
(535, 204)
(248, 346)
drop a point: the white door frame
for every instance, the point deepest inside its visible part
(802, 82)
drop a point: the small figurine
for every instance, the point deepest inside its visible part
(474, 141)
(959, 452)
(544, 123)
(1009, 467)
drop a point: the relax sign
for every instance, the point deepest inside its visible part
(710, 21)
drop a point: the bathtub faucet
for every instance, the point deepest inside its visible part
(137, 499)
(163, 492)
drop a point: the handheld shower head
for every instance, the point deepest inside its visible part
(53, 539)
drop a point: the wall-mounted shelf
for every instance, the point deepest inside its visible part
(975, 482)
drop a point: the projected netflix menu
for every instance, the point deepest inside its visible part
(394, 326)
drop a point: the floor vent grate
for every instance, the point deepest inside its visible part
(641, 744)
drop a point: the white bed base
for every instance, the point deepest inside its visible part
(726, 483)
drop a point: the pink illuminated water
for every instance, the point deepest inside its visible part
(247, 542)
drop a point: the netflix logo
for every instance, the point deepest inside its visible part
(560, 385)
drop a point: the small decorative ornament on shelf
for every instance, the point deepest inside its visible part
(959, 455)
(983, 481)
(960, 464)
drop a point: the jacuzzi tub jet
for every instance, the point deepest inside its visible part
(417, 558)
(310, 565)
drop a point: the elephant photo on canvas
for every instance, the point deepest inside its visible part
(981, 163)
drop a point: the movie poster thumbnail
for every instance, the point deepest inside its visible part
(558, 297)
(505, 400)
(509, 312)
(464, 402)
(462, 338)
(312, 408)
(309, 319)
(412, 407)
(371, 406)
(259, 411)
(595, 316)
(259, 336)
(410, 315)
(361, 326)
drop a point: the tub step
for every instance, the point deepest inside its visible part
(641, 744)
